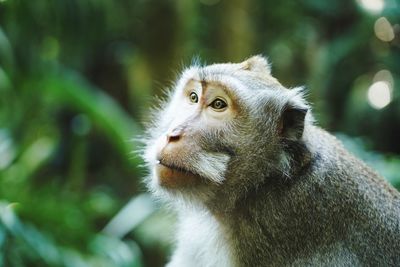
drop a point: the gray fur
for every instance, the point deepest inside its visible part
(286, 200)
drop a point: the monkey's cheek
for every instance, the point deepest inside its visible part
(174, 179)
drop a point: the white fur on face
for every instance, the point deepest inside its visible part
(150, 153)
(212, 166)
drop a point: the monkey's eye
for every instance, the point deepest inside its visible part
(193, 97)
(218, 104)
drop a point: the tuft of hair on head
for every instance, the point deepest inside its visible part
(257, 63)
(196, 61)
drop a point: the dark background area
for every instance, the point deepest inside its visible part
(78, 78)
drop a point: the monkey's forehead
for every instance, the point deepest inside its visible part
(232, 76)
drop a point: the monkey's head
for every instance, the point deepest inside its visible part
(225, 128)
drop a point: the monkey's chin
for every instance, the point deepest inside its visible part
(174, 178)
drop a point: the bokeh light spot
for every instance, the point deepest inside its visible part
(386, 76)
(379, 95)
(383, 29)
(372, 6)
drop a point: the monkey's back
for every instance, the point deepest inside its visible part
(339, 212)
(364, 208)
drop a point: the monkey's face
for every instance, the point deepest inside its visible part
(216, 125)
(189, 150)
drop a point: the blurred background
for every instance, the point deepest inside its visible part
(77, 79)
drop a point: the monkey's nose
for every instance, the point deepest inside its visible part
(174, 136)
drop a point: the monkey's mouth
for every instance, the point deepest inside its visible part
(172, 176)
(174, 167)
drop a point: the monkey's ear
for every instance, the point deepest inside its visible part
(292, 122)
(257, 63)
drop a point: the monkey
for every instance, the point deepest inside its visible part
(255, 181)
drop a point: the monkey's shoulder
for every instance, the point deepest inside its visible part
(333, 163)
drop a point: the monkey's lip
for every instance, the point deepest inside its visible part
(172, 176)
(172, 166)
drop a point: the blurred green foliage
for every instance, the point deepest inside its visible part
(77, 77)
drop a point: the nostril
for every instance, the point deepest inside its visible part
(173, 137)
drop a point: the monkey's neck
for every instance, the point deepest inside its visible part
(267, 211)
